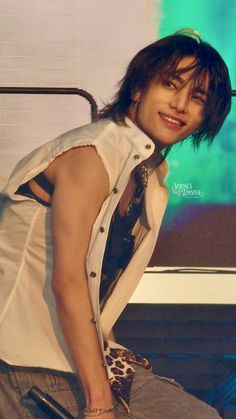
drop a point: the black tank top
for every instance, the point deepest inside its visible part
(42, 181)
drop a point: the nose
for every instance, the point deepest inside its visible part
(180, 100)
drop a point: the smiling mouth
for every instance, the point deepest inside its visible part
(171, 121)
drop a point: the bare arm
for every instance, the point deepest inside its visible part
(81, 186)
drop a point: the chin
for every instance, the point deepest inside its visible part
(163, 143)
(171, 142)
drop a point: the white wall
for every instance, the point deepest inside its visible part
(63, 43)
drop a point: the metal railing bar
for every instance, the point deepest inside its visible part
(53, 91)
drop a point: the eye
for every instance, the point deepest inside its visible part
(168, 83)
(198, 97)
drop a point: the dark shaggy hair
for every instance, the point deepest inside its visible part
(159, 61)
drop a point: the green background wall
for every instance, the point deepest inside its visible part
(205, 178)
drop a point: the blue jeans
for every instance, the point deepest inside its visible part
(152, 397)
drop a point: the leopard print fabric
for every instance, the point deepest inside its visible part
(119, 364)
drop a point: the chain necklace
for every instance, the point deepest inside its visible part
(141, 181)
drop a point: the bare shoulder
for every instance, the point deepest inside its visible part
(79, 164)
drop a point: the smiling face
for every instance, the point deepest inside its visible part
(172, 108)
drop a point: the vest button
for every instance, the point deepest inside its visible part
(115, 190)
(101, 229)
(93, 274)
(136, 156)
(148, 146)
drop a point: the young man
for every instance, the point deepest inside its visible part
(79, 221)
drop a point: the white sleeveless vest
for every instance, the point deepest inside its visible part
(30, 333)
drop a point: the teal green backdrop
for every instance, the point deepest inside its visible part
(205, 178)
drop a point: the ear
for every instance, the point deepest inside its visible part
(136, 96)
